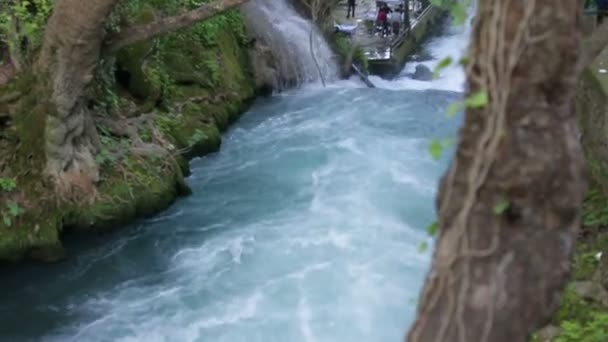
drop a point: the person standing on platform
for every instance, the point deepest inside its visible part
(351, 6)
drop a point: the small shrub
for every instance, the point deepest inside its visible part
(593, 330)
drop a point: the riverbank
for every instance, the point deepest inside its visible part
(156, 104)
(583, 312)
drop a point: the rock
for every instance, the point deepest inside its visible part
(548, 333)
(422, 73)
(265, 75)
(591, 291)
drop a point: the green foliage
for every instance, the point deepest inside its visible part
(197, 137)
(207, 30)
(585, 262)
(573, 307)
(593, 330)
(457, 8)
(432, 231)
(360, 58)
(585, 265)
(477, 100)
(464, 61)
(111, 148)
(595, 210)
(501, 207)
(211, 67)
(344, 48)
(105, 85)
(454, 108)
(24, 19)
(436, 147)
(104, 157)
(11, 211)
(8, 184)
(432, 228)
(444, 63)
(157, 74)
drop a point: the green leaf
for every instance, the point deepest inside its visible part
(14, 209)
(197, 137)
(477, 100)
(444, 63)
(432, 228)
(501, 207)
(99, 159)
(454, 108)
(7, 220)
(435, 149)
(422, 247)
(459, 13)
(464, 61)
(8, 184)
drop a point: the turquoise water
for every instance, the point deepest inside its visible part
(304, 227)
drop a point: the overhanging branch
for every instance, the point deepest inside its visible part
(136, 34)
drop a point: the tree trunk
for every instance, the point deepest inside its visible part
(136, 34)
(509, 204)
(66, 66)
(73, 42)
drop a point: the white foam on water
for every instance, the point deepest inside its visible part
(304, 227)
(287, 34)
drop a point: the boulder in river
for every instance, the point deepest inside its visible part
(422, 73)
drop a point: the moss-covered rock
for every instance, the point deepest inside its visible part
(31, 217)
(577, 313)
(143, 156)
(348, 54)
(132, 67)
(139, 186)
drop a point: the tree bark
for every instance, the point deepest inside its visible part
(74, 38)
(136, 34)
(14, 46)
(66, 66)
(509, 205)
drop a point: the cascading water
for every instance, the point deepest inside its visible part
(304, 227)
(287, 35)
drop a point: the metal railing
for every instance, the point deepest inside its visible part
(397, 41)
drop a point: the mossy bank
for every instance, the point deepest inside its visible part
(156, 104)
(583, 313)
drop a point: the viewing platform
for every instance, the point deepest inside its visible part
(388, 54)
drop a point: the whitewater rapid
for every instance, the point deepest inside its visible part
(304, 227)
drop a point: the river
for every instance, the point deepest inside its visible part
(304, 227)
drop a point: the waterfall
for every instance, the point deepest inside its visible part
(286, 35)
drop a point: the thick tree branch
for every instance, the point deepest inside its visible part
(136, 34)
